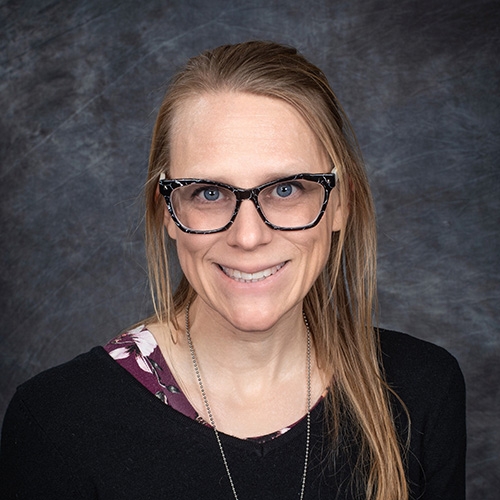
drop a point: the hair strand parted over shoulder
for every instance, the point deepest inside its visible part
(341, 305)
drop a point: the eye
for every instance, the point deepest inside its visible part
(206, 193)
(210, 194)
(285, 190)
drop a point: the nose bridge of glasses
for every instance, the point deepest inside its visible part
(248, 194)
(251, 195)
(244, 194)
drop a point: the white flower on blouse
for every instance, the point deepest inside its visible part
(138, 342)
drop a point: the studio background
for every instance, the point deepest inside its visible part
(81, 82)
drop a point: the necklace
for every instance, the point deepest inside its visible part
(211, 418)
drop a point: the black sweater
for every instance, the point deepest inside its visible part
(88, 430)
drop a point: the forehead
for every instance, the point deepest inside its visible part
(235, 136)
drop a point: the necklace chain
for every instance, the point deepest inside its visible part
(211, 418)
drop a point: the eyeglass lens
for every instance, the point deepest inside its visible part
(289, 204)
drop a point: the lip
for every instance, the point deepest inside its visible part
(251, 277)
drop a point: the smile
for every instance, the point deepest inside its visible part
(251, 277)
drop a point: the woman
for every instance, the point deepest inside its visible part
(270, 378)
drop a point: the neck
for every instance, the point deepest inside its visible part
(239, 354)
(255, 381)
(210, 414)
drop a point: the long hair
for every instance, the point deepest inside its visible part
(341, 304)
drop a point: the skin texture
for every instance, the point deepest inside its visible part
(249, 336)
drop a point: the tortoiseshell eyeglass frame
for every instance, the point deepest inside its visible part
(167, 186)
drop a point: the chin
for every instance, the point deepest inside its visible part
(255, 319)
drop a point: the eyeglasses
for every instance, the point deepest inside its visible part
(292, 203)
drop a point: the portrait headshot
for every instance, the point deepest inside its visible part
(250, 250)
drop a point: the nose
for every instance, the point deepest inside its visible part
(248, 230)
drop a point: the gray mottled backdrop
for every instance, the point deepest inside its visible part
(80, 83)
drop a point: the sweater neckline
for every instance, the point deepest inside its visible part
(138, 352)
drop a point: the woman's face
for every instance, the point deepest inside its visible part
(246, 140)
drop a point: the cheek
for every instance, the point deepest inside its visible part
(186, 255)
(186, 251)
(323, 247)
(192, 251)
(315, 246)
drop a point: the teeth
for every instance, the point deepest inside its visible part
(251, 277)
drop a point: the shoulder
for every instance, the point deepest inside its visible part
(92, 380)
(86, 370)
(76, 405)
(71, 428)
(405, 356)
(420, 372)
(428, 381)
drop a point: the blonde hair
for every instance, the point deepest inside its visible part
(340, 306)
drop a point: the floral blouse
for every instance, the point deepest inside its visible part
(138, 352)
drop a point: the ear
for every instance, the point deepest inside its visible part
(167, 218)
(341, 207)
(340, 210)
(340, 215)
(169, 224)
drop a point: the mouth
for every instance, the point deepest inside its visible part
(243, 277)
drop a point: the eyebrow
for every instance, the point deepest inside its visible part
(274, 176)
(269, 178)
